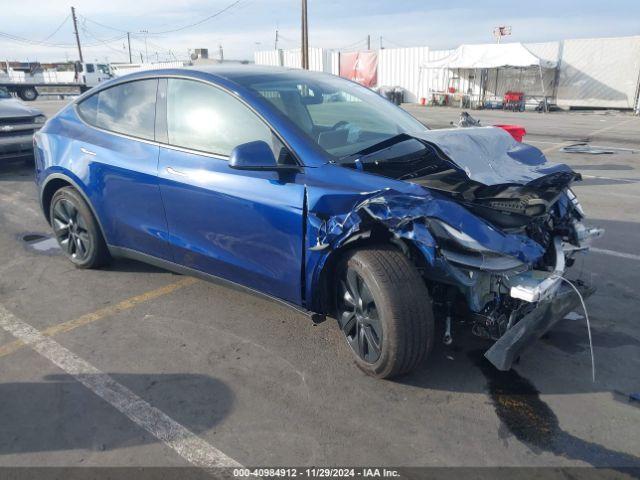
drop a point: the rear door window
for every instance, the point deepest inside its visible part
(128, 108)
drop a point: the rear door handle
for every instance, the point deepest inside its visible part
(173, 171)
(87, 152)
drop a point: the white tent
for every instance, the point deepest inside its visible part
(492, 55)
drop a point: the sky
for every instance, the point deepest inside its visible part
(41, 30)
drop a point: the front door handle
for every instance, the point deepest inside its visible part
(173, 171)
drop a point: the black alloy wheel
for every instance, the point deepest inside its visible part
(71, 230)
(359, 318)
(76, 229)
(384, 310)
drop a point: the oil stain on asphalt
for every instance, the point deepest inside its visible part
(40, 243)
(529, 419)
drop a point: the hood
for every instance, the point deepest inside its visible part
(506, 182)
(490, 156)
(10, 107)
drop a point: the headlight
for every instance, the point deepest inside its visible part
(40, 119)
(575, 202)
(460, 237)
(461, 249)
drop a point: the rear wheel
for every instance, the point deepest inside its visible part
(384, 311)
(28, 94)
(76, 229)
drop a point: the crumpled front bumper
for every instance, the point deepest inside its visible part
(554, 298)
(533, 325)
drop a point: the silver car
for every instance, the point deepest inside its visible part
(18, 123)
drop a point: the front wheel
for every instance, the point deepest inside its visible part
(384, 311)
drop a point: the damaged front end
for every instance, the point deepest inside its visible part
(500, 238)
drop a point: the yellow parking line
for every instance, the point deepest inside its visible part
(102, 313)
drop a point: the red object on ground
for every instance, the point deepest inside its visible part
(513, 96)
(423, 101)
(516, 131)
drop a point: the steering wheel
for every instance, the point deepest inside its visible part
(341, 123)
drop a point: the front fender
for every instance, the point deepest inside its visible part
(404, 216)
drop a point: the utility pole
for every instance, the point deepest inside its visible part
(129, 43)
(368, 42)
(146, 50)
(75, 30)
(305, 37)
(276, 43)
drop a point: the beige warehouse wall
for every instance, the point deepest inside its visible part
(599, 72)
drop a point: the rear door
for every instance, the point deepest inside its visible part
(118, 159)
(244, 226)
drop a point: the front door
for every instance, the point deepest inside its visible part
(243, 226)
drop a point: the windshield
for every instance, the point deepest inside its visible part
(4, 93)
(342, 117)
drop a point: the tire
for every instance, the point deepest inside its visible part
(404, 331)
(28, 94)
(77, 230)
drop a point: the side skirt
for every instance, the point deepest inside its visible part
(122, 252)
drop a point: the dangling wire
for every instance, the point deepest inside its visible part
(586, 316)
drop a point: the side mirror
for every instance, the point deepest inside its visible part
(255, 156)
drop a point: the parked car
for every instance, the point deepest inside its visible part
(316, 192)
(18, 123)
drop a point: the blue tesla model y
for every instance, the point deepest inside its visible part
(319, 193)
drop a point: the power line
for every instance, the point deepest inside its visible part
(393, 43)
(104, 43)
(87, 19)
(354, 45)
(200, 22)
(27, 41)
(184, 27)
(57, 29)
(46, 43)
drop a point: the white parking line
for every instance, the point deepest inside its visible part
(187, 444)
(623, 180)
(613, 253)
(528, 140)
